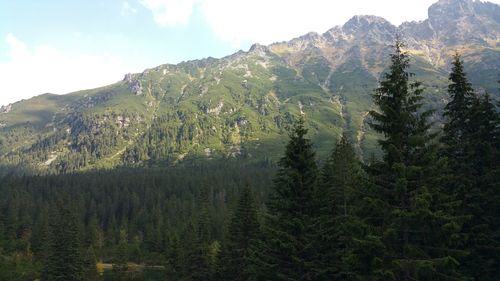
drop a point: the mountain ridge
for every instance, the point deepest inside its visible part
(239, 106)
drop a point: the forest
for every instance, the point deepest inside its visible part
(427, 209)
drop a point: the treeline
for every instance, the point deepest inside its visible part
(138, 215)
(427, 210)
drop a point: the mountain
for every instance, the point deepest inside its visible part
(240, 106)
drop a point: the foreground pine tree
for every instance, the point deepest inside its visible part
(195, 263)
(64, 261)
(481, 200)
(457, 127)
(287, 250)
(471, 145)
(340, 193)
(415, 220)
(236, 262)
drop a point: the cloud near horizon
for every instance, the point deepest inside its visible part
(170, 12)
(30, 71)
(265, 22)
(127, 9)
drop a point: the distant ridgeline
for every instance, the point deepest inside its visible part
(241, 106)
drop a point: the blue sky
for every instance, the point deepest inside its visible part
(68, 45)
(121, 28)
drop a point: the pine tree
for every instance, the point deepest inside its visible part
(120, 266)
(173, 257)
(39, 239)
(415, 223)
(471, 145)
(204, 226)
(485, 207)
(89, 264)
(456, 129)
(236, 261)
(287, 253)
(64, 261)
(194, 256)
(341, 182)
(195, 263)
(481, 199)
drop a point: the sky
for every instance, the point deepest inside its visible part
(62, 46)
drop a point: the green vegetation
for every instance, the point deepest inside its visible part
(243, 232)
(63, 259)
(340, 195)
(239, 106)
(128, 216)
(471, 144)
(416, 213)
(194, 193)
(286, 251)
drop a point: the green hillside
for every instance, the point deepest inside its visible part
(239, 106)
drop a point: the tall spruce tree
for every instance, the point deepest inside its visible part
(416, 224)
(456, 129)
(64, 261)
(287, 252)
(471, 145)
(236, 262)
(482, 199)
(195, 265)
(39, 239)
(340, 193)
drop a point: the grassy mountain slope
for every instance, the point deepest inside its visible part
(240, 106)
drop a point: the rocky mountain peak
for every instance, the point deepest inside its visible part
(309, 41)
(311, 36)
(455, 22)
(259, 49)
(364, 23)
(445, 12)
(371, 29)
(451, 9)
(5, 108)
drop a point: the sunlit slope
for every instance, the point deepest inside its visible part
(241, 106)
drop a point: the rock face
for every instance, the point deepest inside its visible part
(241, 105)
(135, 85)
(454, 22)
(452, 25)
(5, 108)
(128, 77)
(376, 27)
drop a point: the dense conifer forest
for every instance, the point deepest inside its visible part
(427, 209)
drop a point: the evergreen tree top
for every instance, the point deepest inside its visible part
(299, 150)
(461, 95)
(459, 86)
(399, 117)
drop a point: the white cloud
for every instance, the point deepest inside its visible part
(267, 21)
(31, 71)
(127, 9)
(170, 12)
